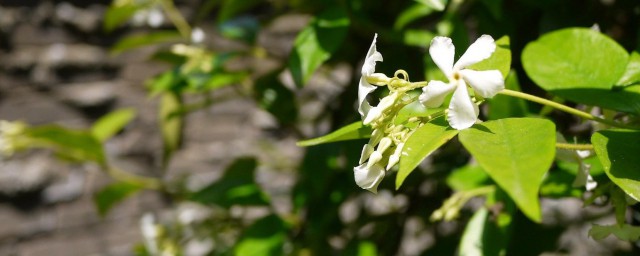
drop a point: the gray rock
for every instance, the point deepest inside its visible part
(85, 20)
(26, 172)
(84, 95)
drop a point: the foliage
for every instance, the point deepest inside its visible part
(513, 155)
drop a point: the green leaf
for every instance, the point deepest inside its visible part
(632, 72)
(112, 194)
(581, 65)
(265, 237)
(170, 124)
(112, 123)
(231, 8)
(624, 232)
(410, 14)
(499, 60)
(618, 153)
(366, 248)
(236, 187)
(414, 109)
(417, 37)
(77, 145)
(317, 42)
(502, 106)
(135, 41)
(243, 28)
(467, 177)
(117, 15)
(483, 236)
(619, 202)
(438, 5)
(353, 131)
(421, 143)
(516, 153)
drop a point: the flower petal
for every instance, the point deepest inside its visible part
(364, 88)
(463, 113)
(481, 49)
(442, 51)
(368, 178)
(373, 55)
(486, 83)
(434, 93)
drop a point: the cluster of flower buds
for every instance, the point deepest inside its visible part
(11, 137)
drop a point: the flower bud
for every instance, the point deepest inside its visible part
(366, 152)
(376, 136)
(395, 157)
(378, 79)
(374, 158)
(385, 143)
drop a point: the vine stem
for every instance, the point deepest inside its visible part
(564, 108)
(178, 20)
(574, 146)
(146, 182)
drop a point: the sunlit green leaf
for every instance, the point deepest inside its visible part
(78, 145)
(424, 141)
(516, 153)
(418, 38)
(170, 124)
(112, 194)
(412, 13)
(350, 132)
(236, 187)
(415, 109)
(467, 177)
(112, 123)
(622, 232)
(632, 72)
(499, 60)
(139, 40)
(315, 43)
(438, 5)
(265, 237)
(581, 65)
(483, 236)
(618, 153)
(117, 15)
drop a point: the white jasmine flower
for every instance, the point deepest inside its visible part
(368, 176)
(368, 72)
(463, 112)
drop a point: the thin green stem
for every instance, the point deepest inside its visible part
(146, 182)
(176, 17)
(570, 146)
(564, 108)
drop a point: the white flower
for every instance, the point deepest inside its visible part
(463, 112)
(368, 176)
(368, 69)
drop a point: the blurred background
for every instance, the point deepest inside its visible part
(241, 107)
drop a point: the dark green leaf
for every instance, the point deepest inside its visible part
(112, 194)
(618, 153)
(315, 43)
(236, 187)
(139, 40)
(265, 237)
(353, 131)
(499, 60)
(623, 232)
(632, 72)
(275, 98)
(112, 123)
(516, 153)
(231, 8)
(421, 143)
